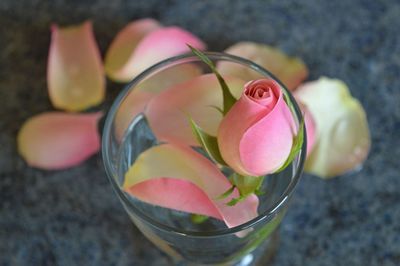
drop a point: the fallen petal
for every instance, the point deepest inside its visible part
(182, 173)
(342, 139)
(118, 56)
(290, 70)
(159, 45)
(56, 140)
(74, 72)
(196, 98)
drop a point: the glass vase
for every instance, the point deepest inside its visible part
(127, 134)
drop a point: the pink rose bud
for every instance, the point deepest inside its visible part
(256, 135)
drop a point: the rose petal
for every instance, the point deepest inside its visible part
(291, 71)
(310, 127)
(137, 100)
(55, 140)
(169, 77)
(182, 163)
(164, 43)
(342, 134)
(161, 44)
(133, 105)
(253, 139)
(171, 109)
(118, 56)
(266, 145)
(176, 194)
(74, 72)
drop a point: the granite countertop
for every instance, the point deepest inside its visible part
(73, 217)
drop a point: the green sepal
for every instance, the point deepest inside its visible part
(208, 142)
(228, 99)
(296, 147)
(226, 193)
(246, 185)
(234, 201)
(258, 192)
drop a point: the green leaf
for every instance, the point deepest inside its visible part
(208, 142)
(259, 192)
(234, 201)
(226, 193)
(228, 99)
(296, 147)
(198, 218)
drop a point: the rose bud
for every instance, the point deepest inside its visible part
(256, 135)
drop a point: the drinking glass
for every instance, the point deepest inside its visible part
(127, 134)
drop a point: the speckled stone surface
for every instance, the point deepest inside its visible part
(73, 218)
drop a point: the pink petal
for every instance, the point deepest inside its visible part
(309, 122)
(291, 71)
(171, 109)
(133, 105)
(74, 72)
(266, 145)
(56, 140)
(159, 45)
(176, 194)
(119, 54)
(136, 101)
(182, 173)
(168, 77)
(253, 139)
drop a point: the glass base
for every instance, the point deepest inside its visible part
(263, 255)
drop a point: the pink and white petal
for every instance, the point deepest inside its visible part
(121, 50)
(136, 101)
(56, 140)
(354, 144)
(159, 45)
(290, 70)
(181, 162)
(342, 139)
(169, 77)
(170, 110)
(75, 74)
(177, 194)
(131, 106)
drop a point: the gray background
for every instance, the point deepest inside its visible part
(73, 218)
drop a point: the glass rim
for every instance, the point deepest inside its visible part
(111, 173)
